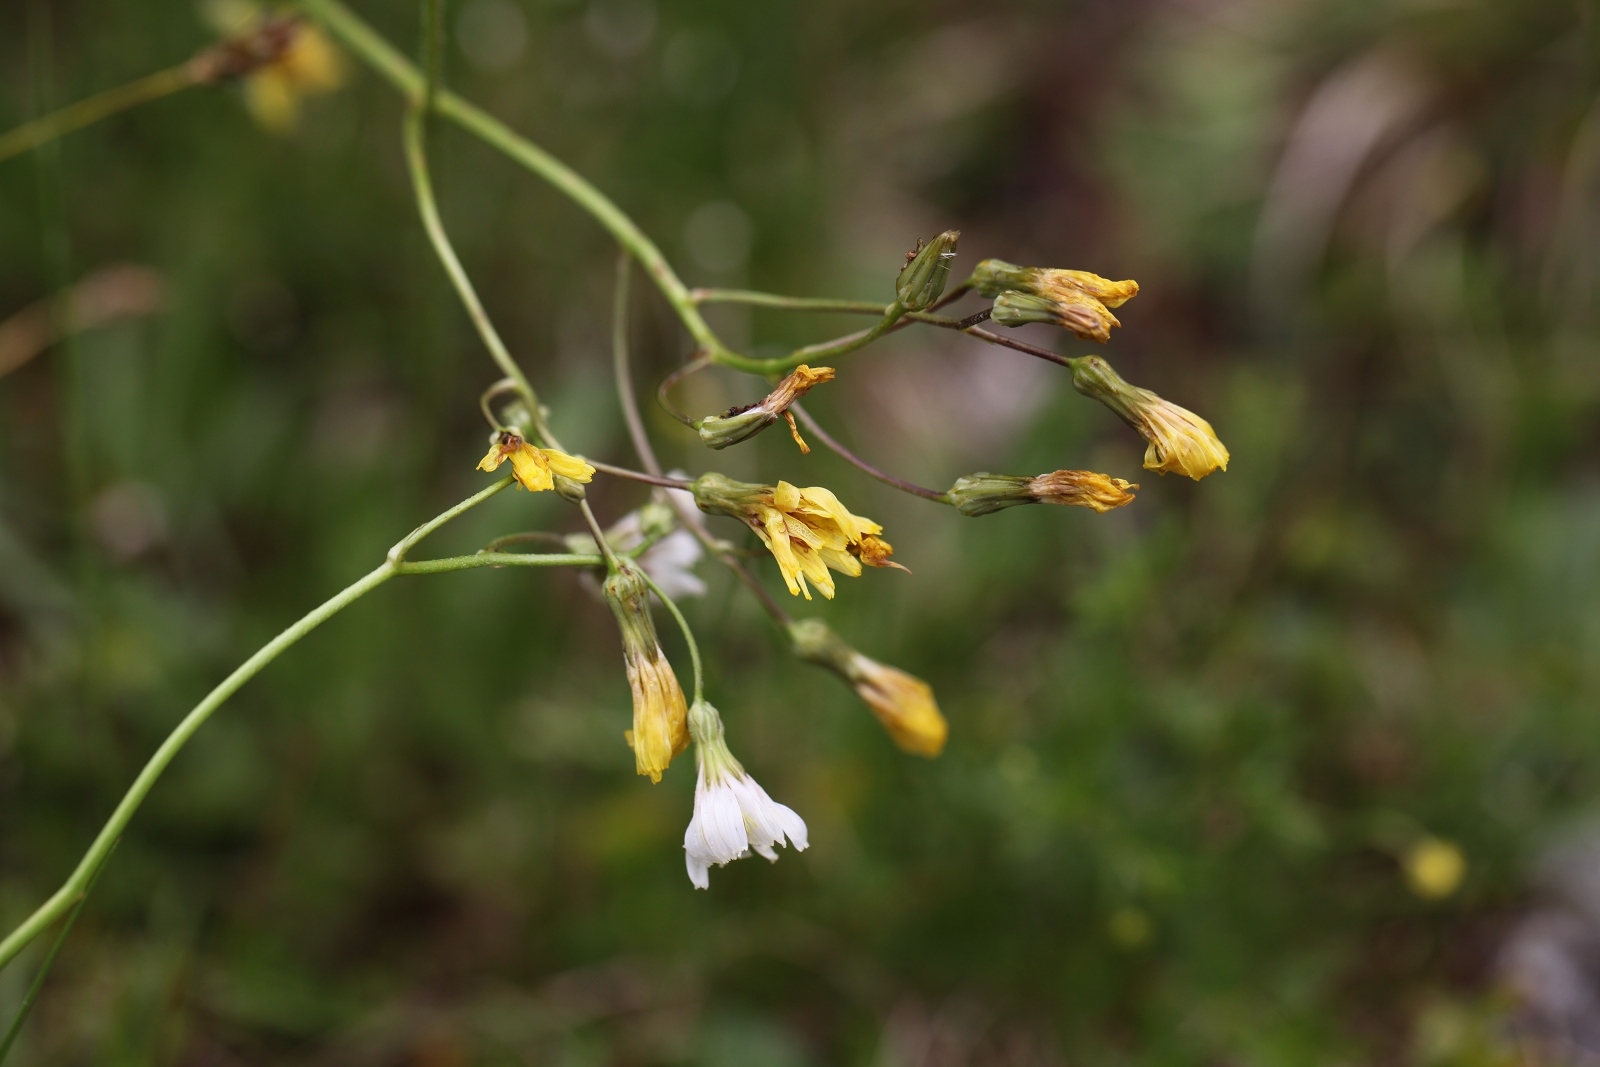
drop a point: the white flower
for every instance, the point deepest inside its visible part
(732, 814)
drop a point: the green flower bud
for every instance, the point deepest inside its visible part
(984, 493)
(926, 271)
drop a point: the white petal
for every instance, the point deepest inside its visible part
(668, 562)
(766, 821)
(699, 873)
(716, 834)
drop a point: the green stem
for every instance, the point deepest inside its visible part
(688, 516)
(620, 370)
(87, 112)
(649, 479)
(432, 50)
(498, 559)
(404, 545)
(404, 76)
(688, 635)
(427, 206)
(70, 893)
(50, 959)
(611, 561)
(850, 457)
(810, 353)
(788, 303)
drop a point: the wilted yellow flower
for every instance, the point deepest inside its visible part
(533, 466)
(280, 58)
(1434, 867)
(807, 530)
(984, 493)
(902, 703)
(1179, 440)
(742, 423)
(660, 714)
(1084, 489)
(1075, 300)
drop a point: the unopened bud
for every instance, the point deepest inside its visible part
(1179, 440)
(927, 270)
(1075, 300)
(902, 703)
(985, 493)
(657, 520)
(742, 423)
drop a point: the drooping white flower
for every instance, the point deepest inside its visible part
(732, 813)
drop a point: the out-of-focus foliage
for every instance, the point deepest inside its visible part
(1197, 742)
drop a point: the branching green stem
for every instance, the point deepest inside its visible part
(641, 444)
(77, 884)
(87, 112)
(50, 959)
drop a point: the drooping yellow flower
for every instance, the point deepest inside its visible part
(1179, 440)
(533, 467)
(660, 713)
(807, 530)
(1075, 300)
(903, 704)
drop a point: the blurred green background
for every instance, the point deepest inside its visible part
(1193, 740)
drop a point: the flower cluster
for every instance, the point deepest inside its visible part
(1075, 300)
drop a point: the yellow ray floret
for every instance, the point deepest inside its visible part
(533, 467)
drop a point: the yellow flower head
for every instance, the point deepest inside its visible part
(660, 714)
(1075, 300)
(742, 423)
(280, 59)
(1179, 440)
(533, 466)
(807, 530)
(1434, 867)
(1082, 489)
(902, 703)
(984, 493)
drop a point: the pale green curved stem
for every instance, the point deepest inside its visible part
(428, 208)
(688, 635)
(404, 76)
(786, 303)
(394, 564)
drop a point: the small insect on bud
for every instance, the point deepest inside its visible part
(902, 703)
(1075, 300)
(660, 714)
(742, 423)
(1179, 440)
(807, 530)
(984, 493)
(927, 270)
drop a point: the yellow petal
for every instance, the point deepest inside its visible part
(496, 456)
(568, 466)
(531, 468)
